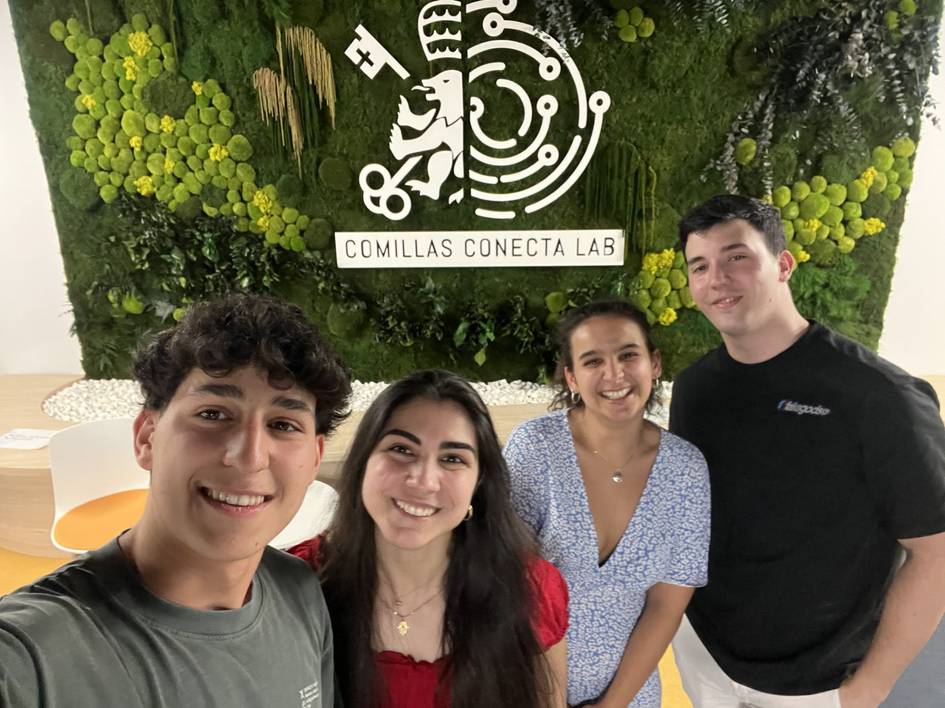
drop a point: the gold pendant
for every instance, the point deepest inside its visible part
(403, 627)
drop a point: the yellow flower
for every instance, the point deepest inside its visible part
(88, 101)
(263, 222)
(218, 153)
(168, 165)
(667, 317)
(873, 226)
(662, 261)
(167, 124)
(767, 199)
(135, 142)
(813, 224)
(131, 69)
(262, 201)
(197, 87)
(869, 174)
(140, 43)
(145, 185)
(803, 256)
(666, 258)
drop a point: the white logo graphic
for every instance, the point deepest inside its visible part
(368, 54)
(802, 408)
(521, 170)
(310, 695)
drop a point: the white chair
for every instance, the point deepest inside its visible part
(312, 518)
(89, 461)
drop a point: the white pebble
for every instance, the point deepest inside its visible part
(100, 399)
(95, 399)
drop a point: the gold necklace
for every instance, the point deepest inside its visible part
(617, 476)
(403, 626)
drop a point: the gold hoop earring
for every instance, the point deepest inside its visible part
(469, 513)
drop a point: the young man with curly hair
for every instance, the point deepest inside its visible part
(190, 606)
(827, 467)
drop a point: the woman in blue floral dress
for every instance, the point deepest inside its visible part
(620, 506)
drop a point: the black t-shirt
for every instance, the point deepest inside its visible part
(819, 459)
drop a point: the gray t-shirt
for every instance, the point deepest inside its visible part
(91, 636)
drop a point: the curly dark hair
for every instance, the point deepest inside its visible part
(574, 319)
(219, 336)
(723, 208)
(494, 656)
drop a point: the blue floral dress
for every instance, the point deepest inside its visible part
(666, 541)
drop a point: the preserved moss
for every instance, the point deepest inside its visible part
(79, 189)
(334, 173)
(318, 234)
(674, 97)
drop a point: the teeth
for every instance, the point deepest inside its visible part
(614, 395)
(235, 499)
(415, 510)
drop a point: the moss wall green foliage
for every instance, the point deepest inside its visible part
(682, 102)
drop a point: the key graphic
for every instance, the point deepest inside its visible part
(370, 56)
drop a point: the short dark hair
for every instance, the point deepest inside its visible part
(219, 336)
(487, 625)
(574, 319)
(723, 208)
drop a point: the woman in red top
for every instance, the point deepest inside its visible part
(437, 596)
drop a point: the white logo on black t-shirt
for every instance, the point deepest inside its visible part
(802, 408)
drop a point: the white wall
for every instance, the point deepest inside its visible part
(34, 327)
(914, 325)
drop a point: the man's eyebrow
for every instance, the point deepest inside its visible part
(724, 249)
(232, 391)
(293, 404)
(220, 389)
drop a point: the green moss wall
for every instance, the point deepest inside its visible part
(132, 263)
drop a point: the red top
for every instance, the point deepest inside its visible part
(412, 683)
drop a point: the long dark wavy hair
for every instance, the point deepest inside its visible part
(494, 658)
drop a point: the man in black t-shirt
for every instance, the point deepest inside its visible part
(827, 466)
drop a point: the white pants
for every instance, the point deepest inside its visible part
(709, 687)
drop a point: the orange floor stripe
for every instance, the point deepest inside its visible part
(673, 694)
(17, 569)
